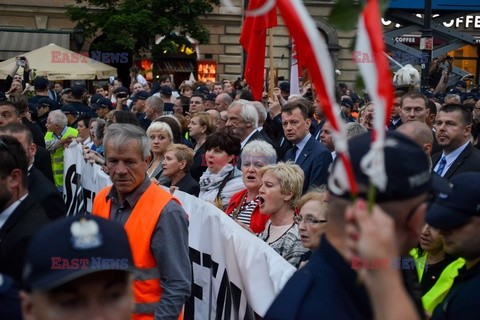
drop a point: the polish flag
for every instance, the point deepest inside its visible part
(378, 82)
(253, 40)
(313, 53)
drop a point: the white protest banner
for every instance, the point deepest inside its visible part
(81, 180)
(72, 167)
(235, 274)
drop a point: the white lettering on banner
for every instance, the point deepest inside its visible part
(235, 274)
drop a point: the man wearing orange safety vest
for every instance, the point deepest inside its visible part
(156, 225)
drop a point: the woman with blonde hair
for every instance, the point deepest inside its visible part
(160, 137)
(281, 188)
(176, 166)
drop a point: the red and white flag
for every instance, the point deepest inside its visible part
(253, 40)
(378, 82)
(313, 53)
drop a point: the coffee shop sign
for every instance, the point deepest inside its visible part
(467, 22)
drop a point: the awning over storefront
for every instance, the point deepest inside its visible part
(16, 43)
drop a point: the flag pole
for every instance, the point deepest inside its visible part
(271, 73)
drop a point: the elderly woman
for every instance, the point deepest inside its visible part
(311, 220)
(176, 166)
(160, 136)
(200, 127)
(244, 206)
(222, 179)
(281, 188)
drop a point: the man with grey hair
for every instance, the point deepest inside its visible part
(452, 98)
(222, 101)
(242, 120)
(155, 222)
(154, 108)
(353, 129)
(58, 137)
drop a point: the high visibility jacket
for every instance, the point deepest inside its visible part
(57, 156)
(139, 227)
(437, 293)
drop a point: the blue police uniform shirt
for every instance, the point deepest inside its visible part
(462, 301)
(325, 288)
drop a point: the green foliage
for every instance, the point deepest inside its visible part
(130, 25)
(344, 14)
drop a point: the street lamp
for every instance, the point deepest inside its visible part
(79, 38)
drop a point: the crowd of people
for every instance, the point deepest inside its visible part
(270, 165)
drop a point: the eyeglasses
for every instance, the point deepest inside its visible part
(476, 108)
(308, 221)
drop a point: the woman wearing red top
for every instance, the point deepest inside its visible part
(243, 207)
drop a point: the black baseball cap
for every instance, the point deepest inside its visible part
(40, 83)
(121, 89)
(46, 102)
(406, 165)
(95, 98)
(203, 90)
(69, 110)
(69, 248)
(347, 103)
(285, 87)
(141, 95)
(102, 103)
(66, 90)
(457, 208)
(211, 97)
(78, 90)
(166, 90)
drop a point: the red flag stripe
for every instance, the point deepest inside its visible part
(313, 52)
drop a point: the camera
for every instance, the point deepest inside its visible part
(23, 58)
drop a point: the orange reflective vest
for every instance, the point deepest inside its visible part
(139, 228)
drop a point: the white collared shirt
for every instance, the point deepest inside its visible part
(244, 142)
(450, 158)
(5, 214)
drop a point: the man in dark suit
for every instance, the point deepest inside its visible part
(242, 120)
(453, 127)
(307, 152)
(39, 187)
(20, 215)
(396, 119)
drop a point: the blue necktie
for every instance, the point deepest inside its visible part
(441, 166)
(294, 153)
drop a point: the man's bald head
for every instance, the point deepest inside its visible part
(418, 132)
